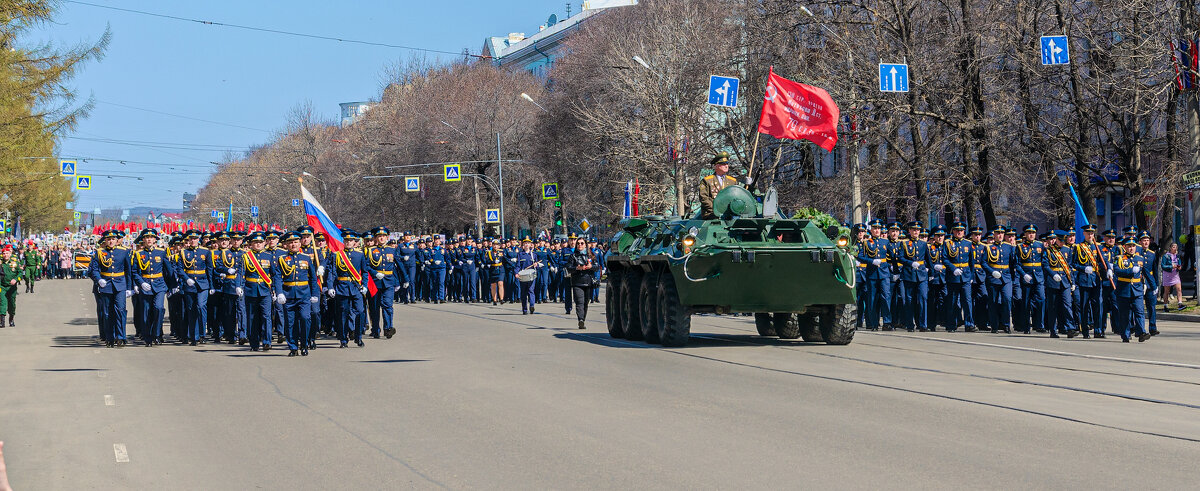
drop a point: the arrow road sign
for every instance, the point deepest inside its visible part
(412, 184)
(1054, 50)
(83, 182)
(452, 172)
(66, 168)
(213, 214)
(550, 190)
(492, 215)
(723, 91)
(295, 202)
(254, 211)
(893, 77)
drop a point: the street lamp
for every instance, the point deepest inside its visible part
(855, 184)
(645, 65)
(530, 99)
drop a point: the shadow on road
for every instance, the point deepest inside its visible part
(388, 361)
(76, 342)
(71, 370)
(84, 321)
(696, 341)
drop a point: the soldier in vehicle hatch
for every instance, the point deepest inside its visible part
(711, 185)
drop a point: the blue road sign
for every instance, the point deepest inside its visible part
(412, 184)
(66, 168)
(453, 172)
(723, 91)
(893, 77)
(78, 215)
(83, 182)
(1054, 50)
(295, 202)
(220, 217)
(254, 211)
(550, 190)
(213, 214)
(493, 215)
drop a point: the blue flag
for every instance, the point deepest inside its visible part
(1080, 216)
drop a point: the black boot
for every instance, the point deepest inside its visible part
(1, 321)
(12, 320)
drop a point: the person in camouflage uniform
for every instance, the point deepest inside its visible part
(33, 265)
(11, 271)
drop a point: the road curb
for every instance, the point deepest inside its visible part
(1177, 317)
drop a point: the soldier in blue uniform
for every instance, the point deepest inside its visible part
(1127, 271)
(1085, 262)
(406, 261)
(1109, 251)
(1059, 283)
(935, 264)
(877, 284)
(109, 271)
(526, 259)
(1030, 258)
(297, 292)
(493, 261)
(382, 260)
(1150, 276)
(914, 272)
(174, 297)
(956, 258)
(258, 280)
(149, 269)
(422, 283)
(470, 267)
(309, 247)
(195, 269)
(999, 262)
(859, 235)
(228, 277)
(272, 251)
(894, 241)
(435, 263)
(980, 301)
(346, 276)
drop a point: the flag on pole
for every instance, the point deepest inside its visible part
(1080, 216)
(629, 199)
(320, 221)
(797, 111)
(637, 189)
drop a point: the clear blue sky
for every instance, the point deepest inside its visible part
(242, 78)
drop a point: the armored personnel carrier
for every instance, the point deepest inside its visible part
(797, 279)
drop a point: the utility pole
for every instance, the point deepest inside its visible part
(500, 164)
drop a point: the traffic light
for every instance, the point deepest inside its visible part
(558, 216)
(558, 203)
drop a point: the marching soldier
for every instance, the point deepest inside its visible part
(382, 260)
(33, 266)
(713, 184)
(957, 259)
(406, 253)
(1059, 284)
(258, 280)
(149, 271)
(195, 268)
(979, 289)
(914, 253)
(297, 292)
(1085, 261)
(110, 273)
(1150, 277)
(435, 261)
(894, 247)
(1030, 257)
(936, 304)
(347, 275)
(1127, 271)
(877, 286)
(999, 259)
(1109, 251)
(228, 280)
(11, 272)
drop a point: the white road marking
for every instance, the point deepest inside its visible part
(108, 400)
(101, 374)
(120, 452)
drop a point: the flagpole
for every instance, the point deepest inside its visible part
(753, 154)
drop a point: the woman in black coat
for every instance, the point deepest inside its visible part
(582, 270)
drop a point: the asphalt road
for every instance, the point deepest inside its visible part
(478, 396)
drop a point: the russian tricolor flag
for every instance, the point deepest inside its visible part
(320, 221)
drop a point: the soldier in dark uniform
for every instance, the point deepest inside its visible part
(11, 271)
(149, 268)
(406, 261)
(713, 184)
(1089, 280)
(1150, 278)
(297, 292)
(258, 280)
(1109, 251)
(999, 261)
(1127, 271)
(979, 289)
(109, 272)
(347, 274)
(383, 262)
(1059, 285)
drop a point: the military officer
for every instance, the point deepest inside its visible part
(33, 266)
(999, 262)
(877, 287)
(382, 260)
(297, 292)
(895, 242)
(195, 268)
(258, 280)
(936, 304)
(1127, 271)
(1085, 263)
(1030, 259)
(1150, 277)
(347, 275)
(109, 272)
(979, 284)
(1109, 251)
(1058, 283)
(149, 270)
(11, 271)
(526, 259)
(713, 184)
(225, 291)
(956, 258)
(406, 262)
(914, 272)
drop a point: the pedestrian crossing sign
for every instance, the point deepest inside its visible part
(83, 182)
(412, 184)
(453, 172)
(78, 215)
(66, 167)
(493, 215)
(220, 217)
(550, 190)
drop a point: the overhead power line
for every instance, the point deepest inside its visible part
(172, 146)
(273, 31)
(182, 116)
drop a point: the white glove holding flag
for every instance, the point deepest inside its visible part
(1089, 270)
(102, 283)
(996, 274)
(1057, 277)
(1110, 274)
(379, 276)
(145, 287)
(320, 270)
(281, 299)
(191, 282)
(240, 291)
(1027, 278)
(363, 290)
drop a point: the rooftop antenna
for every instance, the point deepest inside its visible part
(568, 10)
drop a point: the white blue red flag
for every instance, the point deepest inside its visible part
(629, 199)
(321, 222)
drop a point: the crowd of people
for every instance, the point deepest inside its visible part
(915, 279)
(270, 288)
(39, 257)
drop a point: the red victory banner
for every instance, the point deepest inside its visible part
(799, 112)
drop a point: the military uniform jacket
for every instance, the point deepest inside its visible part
(406, 255)
(1109, 254)
(978, 257)
(1002, 258)
(32, 259)
(150, 267)
(1085, 255)
(435, 259)
(543, 256)
(957, 255)
(868, 251)
(9, 271)
(1130, 284)
(1056, 263)
(196, 264)
(346, 274)
(1030, 256)
(297, 276)
(227, 270)
(383, 260)
(111, 265)
(1149, 273)
(894, 257)
(510, 260)
(914, 251)
(258, 281)
(709, 187)
(469, 258)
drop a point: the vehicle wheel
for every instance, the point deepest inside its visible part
(612, 308)
(648, 300)
(630, 312)
(674, 319)
(838, 323)
(762, 321)
(808, 326)
(787, 325)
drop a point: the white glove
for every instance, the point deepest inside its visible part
(939, 267)
(895, 277)
(146, 287)
(1057, 277)
(1137, 269)
(320, 270)
(1110, 274)
(405, 258)
(102, 283)
(313, 299)
(397, 289)
(876, 262)
(405, 285)
(1072, 287)
(379, 276)
(749, 180)
(553, 269)
(191, 282)
(240, 291)
(1027, 278)
(1089, 270)
(996, 274)
(916, 265)
(212, 292)
(281, 299)
(230, 271)
(957, 271)
(175, 290)
(128, 293)
(363, 290)
(331, 292)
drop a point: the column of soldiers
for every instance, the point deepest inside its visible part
(915, 279)
(268, 288)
